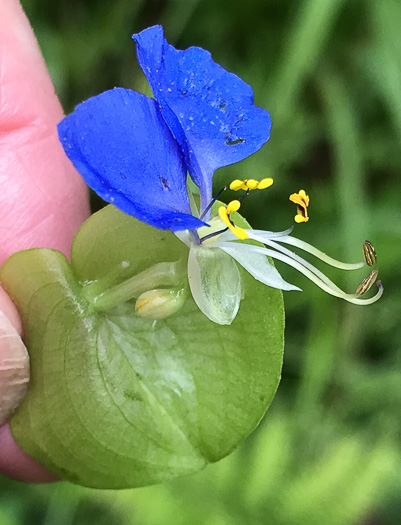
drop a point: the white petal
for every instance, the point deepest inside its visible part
(256, 264)
(215, 283)
(184, 236)
(226, 236)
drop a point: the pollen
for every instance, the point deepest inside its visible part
(238, 185)
(265, 183)
(224, 214)
(301, 199)
(233, 206)
(250, 184)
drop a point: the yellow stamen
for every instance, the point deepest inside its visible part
(237, 185)
(233, 206)
(224, 213)
(250, 184)
(265, 183)
(301, 199)
(300, 218)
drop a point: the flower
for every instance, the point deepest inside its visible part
(135, 152)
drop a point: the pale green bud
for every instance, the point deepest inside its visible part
(160, 303)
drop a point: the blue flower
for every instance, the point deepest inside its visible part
(135, 152)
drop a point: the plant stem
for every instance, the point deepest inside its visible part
(161, 274)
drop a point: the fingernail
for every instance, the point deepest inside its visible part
(14, 369)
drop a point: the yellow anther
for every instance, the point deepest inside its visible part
(302, 202)
(233, 206)
(265, 183)
(237, 185)
(252, 184)
(300, 198)
(300, 218)
(224, 216)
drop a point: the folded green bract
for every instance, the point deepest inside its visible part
(116, 400)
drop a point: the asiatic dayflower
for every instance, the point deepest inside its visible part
(135, 152)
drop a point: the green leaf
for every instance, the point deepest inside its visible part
(116, 400)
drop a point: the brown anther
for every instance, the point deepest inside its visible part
(367, 283)
(369, 253)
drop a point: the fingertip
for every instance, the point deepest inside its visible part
(14, 369)
(16, 464)
(10, 310)
(14, 377)
(43, 200)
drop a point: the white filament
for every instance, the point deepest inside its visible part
(259, 235)
(306, 269)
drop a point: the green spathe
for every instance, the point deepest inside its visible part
(120, 401)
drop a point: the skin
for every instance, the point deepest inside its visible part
(43, 200)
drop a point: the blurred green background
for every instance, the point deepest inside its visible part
(329, 71)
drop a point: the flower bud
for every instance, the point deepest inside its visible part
(160, 303)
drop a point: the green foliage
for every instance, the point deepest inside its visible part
(329, 73)
(118, 401)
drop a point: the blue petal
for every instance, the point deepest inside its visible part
(121, 145)
(209, 111)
